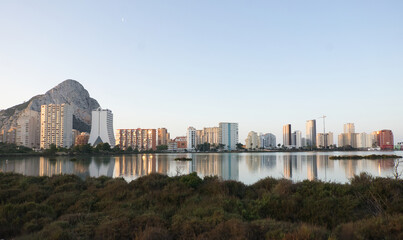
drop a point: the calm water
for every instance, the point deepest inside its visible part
(245, 167)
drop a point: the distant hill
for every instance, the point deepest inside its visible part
(69, 91)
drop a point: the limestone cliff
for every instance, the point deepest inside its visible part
(70, 92)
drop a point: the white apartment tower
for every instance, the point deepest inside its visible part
(191, 138)
(102, 127)
(56, 125)
(228, 135)
(298, 139)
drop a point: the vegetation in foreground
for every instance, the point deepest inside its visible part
(372, 156)
(187, 207)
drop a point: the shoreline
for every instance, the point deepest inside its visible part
(61, 154)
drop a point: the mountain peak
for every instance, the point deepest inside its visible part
(69, 91)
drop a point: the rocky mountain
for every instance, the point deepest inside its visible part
(70, 92)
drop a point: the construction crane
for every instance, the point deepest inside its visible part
(324, 131)
(324, 142)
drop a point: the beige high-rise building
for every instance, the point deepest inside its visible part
(141, 139)
(211, 135)
(324, 140)
(364, 140)
(163, 136)
(199, 137)
(56, 125)
(28, 129)
(349, 128)
(252, 141)
(347, 139)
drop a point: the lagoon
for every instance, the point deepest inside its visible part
(244, 167)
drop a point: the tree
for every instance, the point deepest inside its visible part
(106, 147)
(116, 148)
(239, 146)
(52, 149)
(162, 147)
(396, 172)
(203, 147)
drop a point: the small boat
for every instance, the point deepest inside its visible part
(183, 159)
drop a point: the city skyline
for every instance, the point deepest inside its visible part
(261, 65)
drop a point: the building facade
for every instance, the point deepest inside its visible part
(252, 141)
(28, 129)
(102, 127)
(349, 128)
(287, 135)
(181, 142)
(311, 132)
(324, 140)
(56, 125)
(163, 136)
(385, 139)
(267, 140)
(140, 139)
(298, 139)
(364, 140)
(211, 135)
(191, 138)
(228, 135)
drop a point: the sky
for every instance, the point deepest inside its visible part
(177, 64)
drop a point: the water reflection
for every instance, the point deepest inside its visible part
(244, 167)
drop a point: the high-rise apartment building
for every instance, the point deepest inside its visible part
(287, 135)
(56, 125)
(348, 137)
(385, 139)
(311, 132)
(141, 139)
(199, 137)
(102, 127)
(163, 136)
(252, 141)
(349, 128)
(324, 140)
(191, 138)
(11, 135)
(211, 135)
(364, 140)
(267, 140)
(297, 136)
(28, 129)
(228, 135)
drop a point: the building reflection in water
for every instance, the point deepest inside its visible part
(312, 167)
(225, 166)
(295, 166)
(257, 163)
(287, 166)
(230, 169)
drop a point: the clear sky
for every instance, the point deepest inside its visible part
(185, 63)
